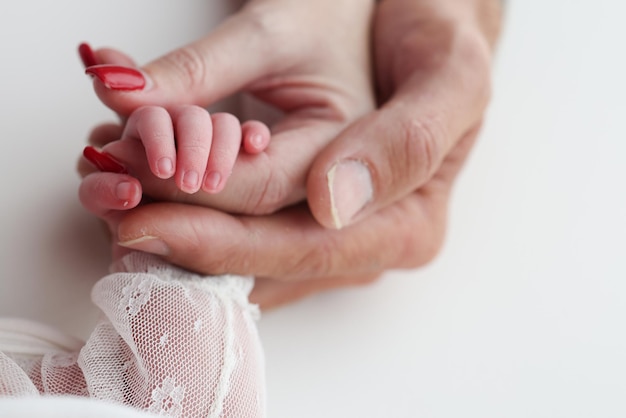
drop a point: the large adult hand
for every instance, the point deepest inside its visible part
(310, 61)
(394, 169)
(432, 61)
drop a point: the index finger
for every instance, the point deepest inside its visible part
(289, 245)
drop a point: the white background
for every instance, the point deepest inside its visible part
(522, 314)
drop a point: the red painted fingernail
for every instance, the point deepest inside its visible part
(116, 77)
(86, 55)
(103, 161)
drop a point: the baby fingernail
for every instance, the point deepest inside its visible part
(212, 181)
(190, 181)
(350, 188)
(165, 167)
(125, 191)
(148, 243)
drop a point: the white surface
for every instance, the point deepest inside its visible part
(523, 313)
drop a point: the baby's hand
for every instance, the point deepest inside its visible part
(197, 148)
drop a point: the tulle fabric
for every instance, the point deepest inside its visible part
(169, 343)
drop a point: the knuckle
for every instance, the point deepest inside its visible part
(224, 118)
(188, 110)
(270, 199)
(319, 260)
(421, 149)
(192, 241)
(230, 257)
(191, 148)
(149, 122)
(234, 261)
(189, 65)
(423, 252)
(364, 253)
(193, 248)
(274, 193)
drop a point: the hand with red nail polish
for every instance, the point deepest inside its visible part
(156, 145)
(102, 56)
(87, 55)
(379, 179)
(314, 69)
(316, 91)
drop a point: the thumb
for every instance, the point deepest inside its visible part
(199, 73)
(384, 156)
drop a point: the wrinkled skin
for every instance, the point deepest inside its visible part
(432, 63)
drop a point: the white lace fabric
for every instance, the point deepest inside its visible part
(169, 342)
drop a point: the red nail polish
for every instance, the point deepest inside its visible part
(103, 161)
(86, 55)
(116, 77)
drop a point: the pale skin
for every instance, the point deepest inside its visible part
(431, 61)
(169, 145)
(186, 143)
(311, 63)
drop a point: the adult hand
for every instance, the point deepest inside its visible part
(432, 61)
(310, 62)
(395, 166)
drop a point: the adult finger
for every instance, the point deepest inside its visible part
(392, 152)
(258, 184)
(199, 73)
(291, 245)
(270, 293)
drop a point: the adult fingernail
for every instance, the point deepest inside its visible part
(350, 188)
(147, 243)
(103, 161)
(86, 55)
(117, 77)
